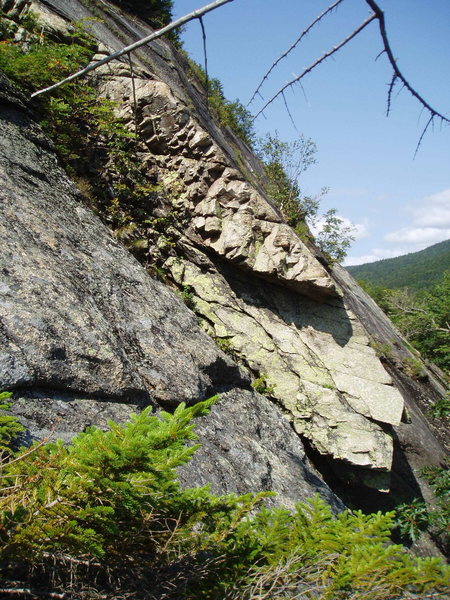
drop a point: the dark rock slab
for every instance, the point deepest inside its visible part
(77, 311)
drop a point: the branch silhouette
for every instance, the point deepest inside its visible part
(397, 75)
(316, 63)
(196, 14)
(294, 45)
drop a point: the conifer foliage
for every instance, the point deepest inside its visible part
(106, 517)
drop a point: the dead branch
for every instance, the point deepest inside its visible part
(289, 50)
(317, 63)
(196, 14)
(205, 58)
(379, 15)
(29, 592)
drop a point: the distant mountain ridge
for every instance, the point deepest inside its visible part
(417, 270)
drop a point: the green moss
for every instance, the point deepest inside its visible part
(382, 349)
(414, 367)
(261, 386)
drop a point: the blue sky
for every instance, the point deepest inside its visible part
(398, 203)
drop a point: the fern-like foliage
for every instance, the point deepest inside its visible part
(108, 510)
(10, 426)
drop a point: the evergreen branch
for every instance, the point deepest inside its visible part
(289, 50)
(196, 14)
(317, 63)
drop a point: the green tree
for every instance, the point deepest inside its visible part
(334, 236)
(284, 164)
(106, 516)
(156, 12)
(424, 319)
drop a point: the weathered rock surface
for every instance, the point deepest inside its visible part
(300, 336)
(85, 327)
(315, 357)
(78, 312)
(86, 335)
(258, 452)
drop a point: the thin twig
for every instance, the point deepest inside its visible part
(379, 15)
(317, 62)
(391, 89)
(27, 453)
(289, 112)
(133, 87)
(289, 50)
(22, 591)
(157, 34)
(205, 56)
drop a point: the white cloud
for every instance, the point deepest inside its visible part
(434, 211)
(430, 222)
(418, 235)
(361, 230)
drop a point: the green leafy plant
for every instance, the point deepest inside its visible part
(107, 513)
(284, 164)
(412, 518)
(224, 344)
(439, 480)
(414, 367)
(10, 426)
(382, 349)
(187, 295)
(229, 114)
(441, 408)
(157, 13)
(423, 317)
(261, 386)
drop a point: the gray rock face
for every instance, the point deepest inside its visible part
(86, 332)
(259, 452)
(78, 312)
(299, 335)
(87, 336)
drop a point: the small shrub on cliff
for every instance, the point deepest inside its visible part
(106, 515)
(284, 163)
(231, 114)
(261, 386)
(441, 408)
(157, 13)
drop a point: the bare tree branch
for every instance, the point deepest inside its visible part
(391, 89)
(289, 112)
(289, 50)
(196, 14)
(429, 122)
(317, 62)
(397, 73)
(205, 58)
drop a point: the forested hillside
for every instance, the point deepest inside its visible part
(416, 271)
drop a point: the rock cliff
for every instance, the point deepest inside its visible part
(87, 332)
